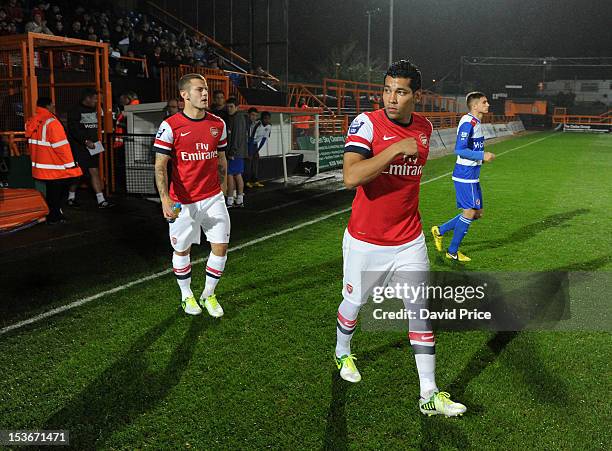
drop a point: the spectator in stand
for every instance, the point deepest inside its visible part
(41, 8)
(258, 139)
(156, 61)
(133, 68)
(149, 44)
(214, 63)
(259, 79)
(37, 25)
(218, 106)
(58, 29)
(172, 107)
(117, 34)
(199, 54)
(105, 35)
(237, 151)
(76, 32)
(4, 30)
(14, 11)
(4, 23)
(83, 135)
(137, 45)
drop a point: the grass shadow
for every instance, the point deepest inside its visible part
(126, 389)
(336, 432)
(528, 231)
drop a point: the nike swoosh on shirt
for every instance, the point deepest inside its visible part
(387, 138)
(185, 134)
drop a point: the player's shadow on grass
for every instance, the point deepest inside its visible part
(336, 433)
(528, 231)
(126, 389)
(589, 265)
(295, 284)
(435, 432)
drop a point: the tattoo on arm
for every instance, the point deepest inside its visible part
(161, 174)
(221, 169)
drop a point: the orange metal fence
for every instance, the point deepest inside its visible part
(361, 96)
(34, 65)
(581, 119)
(142, 62)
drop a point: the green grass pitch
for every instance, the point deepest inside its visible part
(128, 371)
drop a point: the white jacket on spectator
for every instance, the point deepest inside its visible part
(261, 135)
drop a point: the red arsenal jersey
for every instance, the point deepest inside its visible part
(193, 145)
(386, 210)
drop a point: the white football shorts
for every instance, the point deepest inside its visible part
(210, 215)
(369, 265)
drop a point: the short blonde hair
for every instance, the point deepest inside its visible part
(185, 81)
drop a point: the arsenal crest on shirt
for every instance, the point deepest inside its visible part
(214, 131)
(423, 139)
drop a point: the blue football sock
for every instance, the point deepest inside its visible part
(461, 229)
(449, 225)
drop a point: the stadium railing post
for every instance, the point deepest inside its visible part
(316, 137)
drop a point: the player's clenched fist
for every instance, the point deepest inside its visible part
(489, 157)
(168, 208)
(406, 146)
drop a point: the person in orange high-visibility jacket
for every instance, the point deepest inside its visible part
(303, 123)
(129, 98)
(52, 160)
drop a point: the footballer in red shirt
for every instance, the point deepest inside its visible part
(194, 140)
(385, 152)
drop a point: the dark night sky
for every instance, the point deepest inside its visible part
(435, 33)
(432, 33)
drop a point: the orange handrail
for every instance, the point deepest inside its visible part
(143, 61)
(582, 119)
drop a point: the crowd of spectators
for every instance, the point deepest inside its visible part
(129, 34)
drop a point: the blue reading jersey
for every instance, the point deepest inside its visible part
(469, 149)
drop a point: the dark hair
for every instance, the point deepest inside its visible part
(218, 91)
(473, 97)
(233, 101)
(265, 114)
(88, 92)
(185, 80)
(253, 110)
(44, 102)
(405, 69)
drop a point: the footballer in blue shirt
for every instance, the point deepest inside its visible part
(469, 149)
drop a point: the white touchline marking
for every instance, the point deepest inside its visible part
(299, 201)
(342, 188)
(159, 274)
(525, 145)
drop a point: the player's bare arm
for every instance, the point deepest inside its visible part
(222, 168)
(161, 180)
(359, 170)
